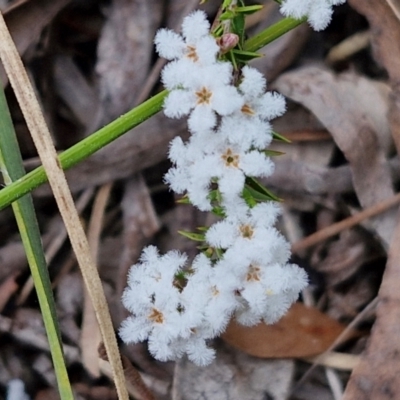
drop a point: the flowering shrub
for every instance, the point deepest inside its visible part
(243, 271)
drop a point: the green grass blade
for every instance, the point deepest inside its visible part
(12, 169)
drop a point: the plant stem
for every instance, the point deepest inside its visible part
(272, 33)
(84, 148)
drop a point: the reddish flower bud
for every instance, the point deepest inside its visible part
(227, 42)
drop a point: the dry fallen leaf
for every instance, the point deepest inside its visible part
(302, 332)
(377, 374)
(385, 40)
(359, 126)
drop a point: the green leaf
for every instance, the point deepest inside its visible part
(273, 153)
(281, 138)
(12, 169)
(229, 14)
(215, 196)
(245, 56)
(248, 197)
(239, 11)
(248, 9)
(219, 253)
(183, 200)
(259, 191)
(238, 27)
(197, 237)
(219, 211)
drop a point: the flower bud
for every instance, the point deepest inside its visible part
(227, 42)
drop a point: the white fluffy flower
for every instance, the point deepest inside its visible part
(318, 12)
(249, 126)
(268, 291)
(250, 231)
(177, 321)
(153, 299)
(213, 287)
(222, 162)
(179, 310)
(196, 45)
(205, 90)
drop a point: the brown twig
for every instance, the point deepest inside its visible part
(336, 228)
(132, 375)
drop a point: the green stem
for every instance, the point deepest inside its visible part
(270, 34)
(12, 168)
(123, 124)
(84, 148)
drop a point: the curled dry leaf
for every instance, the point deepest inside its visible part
(124, 53)
(302, 332)
(385, 39)
(376, 376)
(358, 125)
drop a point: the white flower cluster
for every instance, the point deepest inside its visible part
(179, 307)
(318, 12)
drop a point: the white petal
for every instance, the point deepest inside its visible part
(194, 26)
(266, 213)
(256, 164)
(177, 180)
(180, 74)
(199, 353)
(296, 8)
(169, 44)
(202, 119)
(177, 150)
(178, 103)
(221, 234)
(160, 349)
(253, 83)
(226, 100)
(271, 105)
(231, 184)
(134, 330)
(207, 50)
(320, 16)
